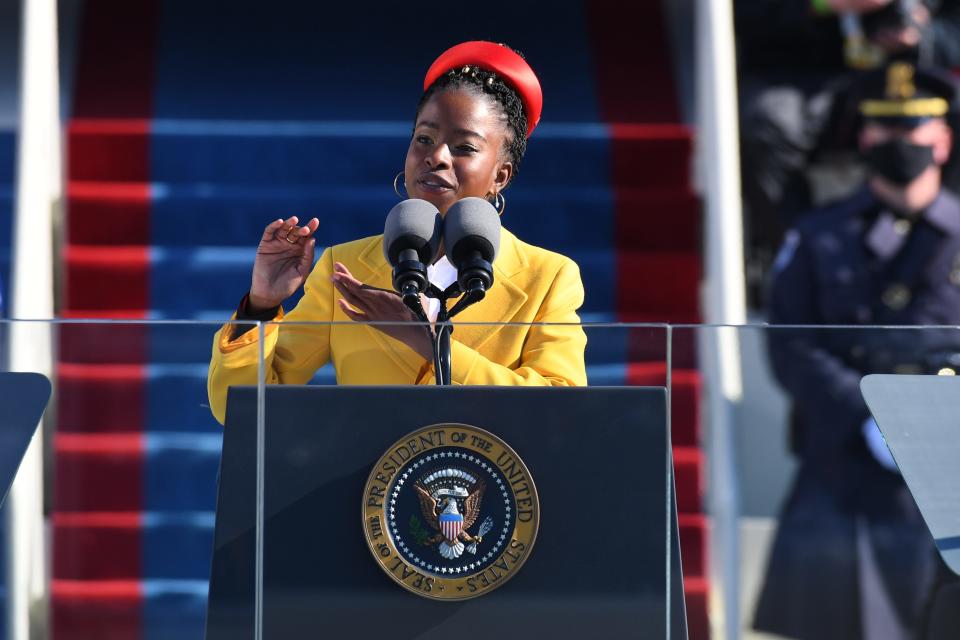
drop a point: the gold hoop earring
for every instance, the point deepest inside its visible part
(500, 203)
(396, 189)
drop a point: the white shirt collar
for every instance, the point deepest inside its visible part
(441, 274)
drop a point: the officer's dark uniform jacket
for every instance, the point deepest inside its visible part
(854, 263)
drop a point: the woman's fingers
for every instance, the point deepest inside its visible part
(306, 259)
(375, 305)
(270, 232)
(350, 313)
(342, 274)
(352, 294)
(305, 231)
(290, 223)
(288, 231)
(339, 267)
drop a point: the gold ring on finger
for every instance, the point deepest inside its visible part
(293, 239)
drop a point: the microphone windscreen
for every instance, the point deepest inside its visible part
(412, 224)
(471, 225)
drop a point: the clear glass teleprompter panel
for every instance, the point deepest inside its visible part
(130, 453)
(800, 495)
(493, 499)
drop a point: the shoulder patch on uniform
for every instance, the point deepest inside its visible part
(787, 250)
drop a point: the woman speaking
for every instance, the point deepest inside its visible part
(481, 102)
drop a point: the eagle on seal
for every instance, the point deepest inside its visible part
(442, 513)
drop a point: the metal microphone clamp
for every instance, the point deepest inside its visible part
(441, 343)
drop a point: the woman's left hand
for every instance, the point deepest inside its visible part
(368, 304)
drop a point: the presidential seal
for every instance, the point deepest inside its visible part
(450, 512)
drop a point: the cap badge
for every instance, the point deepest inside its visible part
(900, 83)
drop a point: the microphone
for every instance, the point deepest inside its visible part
(411, 241)
(471, 235)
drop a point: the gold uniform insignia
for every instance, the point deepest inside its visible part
(900, 97)
(900, 84)
(897, 296)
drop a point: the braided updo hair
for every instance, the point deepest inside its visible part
(482, 82)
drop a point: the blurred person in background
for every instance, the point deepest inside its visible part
(852, 557)
(796, 62)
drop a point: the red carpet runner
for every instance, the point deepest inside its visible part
(658, 244)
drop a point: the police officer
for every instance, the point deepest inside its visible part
(852, 557)
(796, 61)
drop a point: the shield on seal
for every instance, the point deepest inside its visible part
(451, 525)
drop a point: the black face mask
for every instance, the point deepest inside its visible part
(899, 161)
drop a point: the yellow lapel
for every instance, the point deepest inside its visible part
(371, 256)
(380, 274)
(501, 303)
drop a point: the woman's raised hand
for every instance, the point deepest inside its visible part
(284, 259)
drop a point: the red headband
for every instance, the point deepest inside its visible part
(502, 61)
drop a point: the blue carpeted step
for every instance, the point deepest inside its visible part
(174, 609)
(182, 443)
(164, 417)
(178, 545)
(366, 154)
(311, 60)
(347, 154)
(607, 375)
(183, 281)
(182, 343)
(177, 398)
(173, 347)
(189, 343)
(181, 471)
(369, 154)
(561, 219)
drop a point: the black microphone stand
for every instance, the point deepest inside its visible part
(440, 342)
(410, 278)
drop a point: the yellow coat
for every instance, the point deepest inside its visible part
(531, 285)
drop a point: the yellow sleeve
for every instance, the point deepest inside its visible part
(552, 355)
(291, 354)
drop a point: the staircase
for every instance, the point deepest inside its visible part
(194, 125)
(657, 223)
